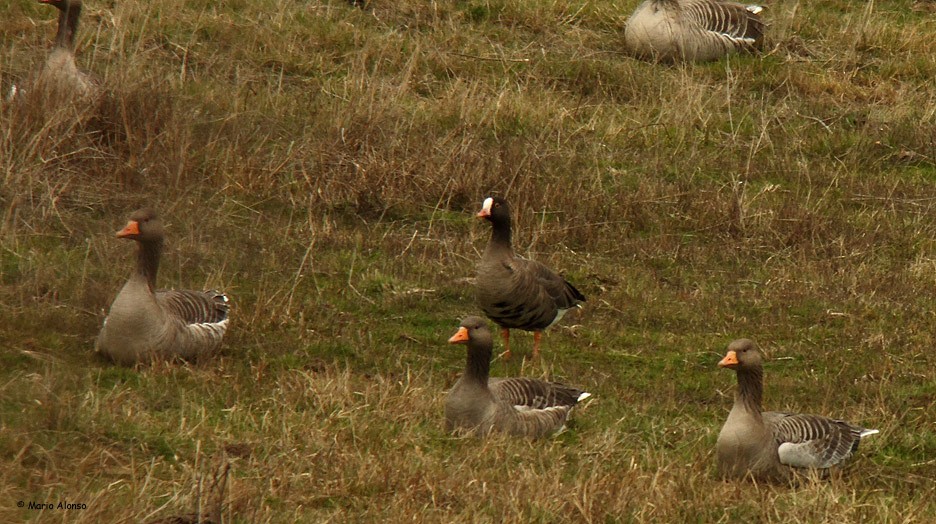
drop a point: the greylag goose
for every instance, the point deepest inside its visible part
(767, 444)
(144, 324)
(60, 73)
(515, 292)
(692, 30)
(524, 407)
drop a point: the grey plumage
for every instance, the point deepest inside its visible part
(692, 30)
(60, 75)
(514, 292)
(144, 324)
(535, 393)
(766, 444)
(517, 406)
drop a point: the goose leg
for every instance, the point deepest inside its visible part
(536, 343)
(505, 333)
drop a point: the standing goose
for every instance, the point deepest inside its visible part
(767, 444)
(515, 292)
(144, 324)
(517, 406)
(692, 30)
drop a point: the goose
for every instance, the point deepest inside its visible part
(692, 30)
(768, 444)
(523, 407)
(60, 74)
(515, 292)
(144, 324)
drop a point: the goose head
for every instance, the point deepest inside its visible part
(473, 331)
(144, 226)
(61, 5)
(495, 209)
(742, 355)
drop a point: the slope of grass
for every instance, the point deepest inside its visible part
(323, 163)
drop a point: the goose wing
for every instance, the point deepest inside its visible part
(531, 393)
(544, 285)
(812, 441)
(194, 307)
(533, 423)
(738, 23)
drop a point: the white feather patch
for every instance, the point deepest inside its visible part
(799, 456)
(486, 206)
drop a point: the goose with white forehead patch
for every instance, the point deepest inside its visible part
(514, 292)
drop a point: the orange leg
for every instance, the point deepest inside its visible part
(536, 341)
(505, 333)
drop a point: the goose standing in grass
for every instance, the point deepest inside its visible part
(523, 407)
(767, 444)
(60, 70)
(692, 30)
(514, 292)
(144, 324)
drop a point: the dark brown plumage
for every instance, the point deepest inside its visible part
(514, 292)
(517, 406)
(767, 444)
(144, 324)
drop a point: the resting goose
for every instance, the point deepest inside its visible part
(144, 324)
(60, 69)
(767, 444)
(692, 30)
(515, 292)
(524, 407)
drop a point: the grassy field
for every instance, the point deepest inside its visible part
(323, 164)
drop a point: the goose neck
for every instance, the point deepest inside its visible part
(500, 234)
(750, 389)
(148, 261)
(478, 367)
(68, 26)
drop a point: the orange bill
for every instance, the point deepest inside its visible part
(132, 228)
(484, 213)
(460, 336)
(731, 359)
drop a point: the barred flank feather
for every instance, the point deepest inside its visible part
(195, 307)
(812, 440)
(533, 393)
(694, 30)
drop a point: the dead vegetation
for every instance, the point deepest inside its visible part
(322, 163)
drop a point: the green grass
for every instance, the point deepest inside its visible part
(322, 164)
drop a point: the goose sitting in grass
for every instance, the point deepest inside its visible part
(766, 445)
(523, 407)
(692, 30)
(144, 324)
(60, 75)
(515, 292)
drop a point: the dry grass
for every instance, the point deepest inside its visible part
(322, 164)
